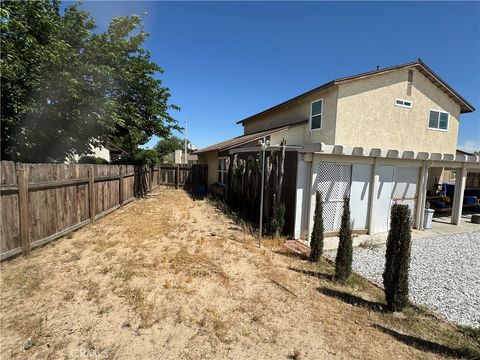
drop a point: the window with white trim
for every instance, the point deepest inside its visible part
(438, 120)
(316, 114)
(222, 170)
(403, 103)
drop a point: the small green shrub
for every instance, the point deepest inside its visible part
(316, 241)
(395, 276)
(343, 261)
(87, 159)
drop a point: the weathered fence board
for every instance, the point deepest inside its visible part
(182, 175)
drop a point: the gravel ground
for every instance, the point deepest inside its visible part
(444, 274)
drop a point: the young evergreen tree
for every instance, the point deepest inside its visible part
(343, 261)
(395, 276)
(316, 241)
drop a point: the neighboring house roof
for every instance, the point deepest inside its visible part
(115, 149)
(465, 106)
(192, 157)
(464, 152)
(241, 140)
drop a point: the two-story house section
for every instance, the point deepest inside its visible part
(374, 137)
(404, 107)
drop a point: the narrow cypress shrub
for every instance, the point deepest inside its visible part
(316, 240)
(395, 276)
(343, 261)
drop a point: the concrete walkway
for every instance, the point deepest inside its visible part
(440, 226)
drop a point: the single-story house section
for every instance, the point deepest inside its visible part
(376, 137)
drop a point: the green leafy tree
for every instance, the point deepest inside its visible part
(169, 144)
(395, 276)
(343, 260)
(316, 241)
(65, 88)
(139, 157)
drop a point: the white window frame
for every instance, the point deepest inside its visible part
(321, 115)
(439, 112)
(223, 171)
(403, 103)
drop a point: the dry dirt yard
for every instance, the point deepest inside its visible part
(167, 277)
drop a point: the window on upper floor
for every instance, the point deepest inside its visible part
(316, 114)
(403, 103)
(438, 120)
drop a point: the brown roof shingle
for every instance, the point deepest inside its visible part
(239, 140)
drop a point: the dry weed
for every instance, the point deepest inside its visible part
(102, 245)
(195, 265)
(73, 256)
(144, 308)
(212, 321)
(93, 290)
(69, 295)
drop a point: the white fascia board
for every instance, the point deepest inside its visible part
(447, 160)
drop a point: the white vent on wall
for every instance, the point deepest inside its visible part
(403, 103)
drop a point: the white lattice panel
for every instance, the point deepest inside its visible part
(333, 181)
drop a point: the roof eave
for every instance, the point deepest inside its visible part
(298, 97)
(465, 106)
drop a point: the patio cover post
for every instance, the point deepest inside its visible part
(373, 191)
(458, 195)
(422, 195)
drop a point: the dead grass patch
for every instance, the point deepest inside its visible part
(93, 290)
(102, 245)
(144, 308)
(213, 322)
(195, 265)
(25, 279)
(73, 255)
(156, 265)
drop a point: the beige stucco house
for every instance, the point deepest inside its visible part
(386, 126)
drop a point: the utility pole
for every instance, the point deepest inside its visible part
(186, 127)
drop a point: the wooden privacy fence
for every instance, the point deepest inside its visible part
(187, 176)
(42, 202)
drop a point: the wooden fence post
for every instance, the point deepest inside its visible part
(150, 177)
(23, 209)
(177, 177)
(91, 194)
(120, 187)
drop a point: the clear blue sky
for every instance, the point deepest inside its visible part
(224, 61)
